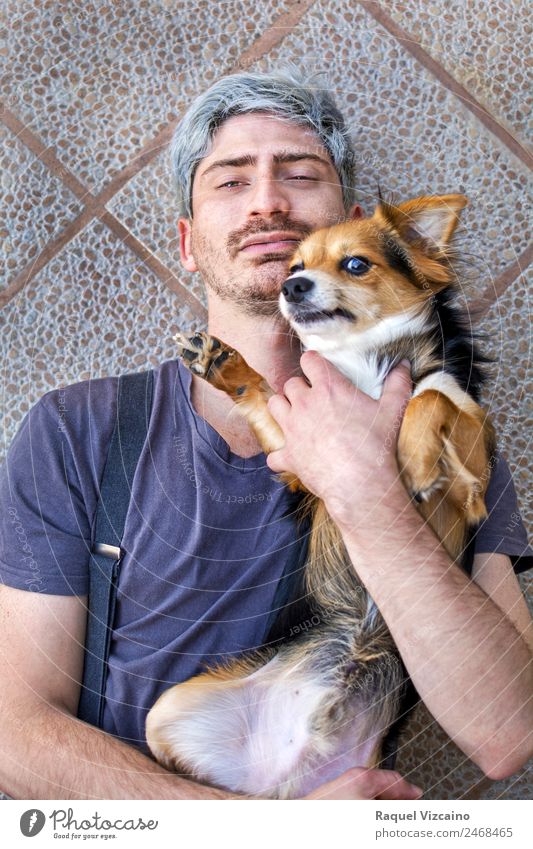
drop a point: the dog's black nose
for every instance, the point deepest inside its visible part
(296, 290)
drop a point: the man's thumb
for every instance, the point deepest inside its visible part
(397, 388)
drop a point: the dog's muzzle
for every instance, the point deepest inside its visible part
(295, 289)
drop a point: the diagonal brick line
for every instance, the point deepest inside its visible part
(50, 250)
(95, 204)
(94, 208)
(153, 263)
(274, 35)
(410, 44)
(495, 290)
(45, 154)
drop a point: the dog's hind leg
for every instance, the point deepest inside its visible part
(444, 453)
(277, 725)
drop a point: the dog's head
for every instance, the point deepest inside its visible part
(356, 274)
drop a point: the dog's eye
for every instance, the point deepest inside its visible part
(299, 266)
(356, 265)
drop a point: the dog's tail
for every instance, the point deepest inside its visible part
(330, 575)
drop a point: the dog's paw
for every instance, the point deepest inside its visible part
(220, 365)
(423, 466)
(202, 354)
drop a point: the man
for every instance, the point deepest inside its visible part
(261, 161)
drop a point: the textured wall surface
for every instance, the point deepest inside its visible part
(436, 98)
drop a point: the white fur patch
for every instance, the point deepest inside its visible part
(255, 735)
(354, 354)
(448, 385)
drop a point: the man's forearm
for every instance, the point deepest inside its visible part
(471, 667)
(47, 754)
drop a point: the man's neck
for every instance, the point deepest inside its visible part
(268, 346)
(267, 343)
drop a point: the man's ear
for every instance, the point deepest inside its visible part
(428, 221)
(186, 257)
(356, 212)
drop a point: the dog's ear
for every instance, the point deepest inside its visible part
(425, 221)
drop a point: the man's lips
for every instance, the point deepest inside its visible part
(263, 243)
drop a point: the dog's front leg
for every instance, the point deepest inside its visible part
(224, 368)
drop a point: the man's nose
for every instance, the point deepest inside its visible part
(295, 290)
(268, 197)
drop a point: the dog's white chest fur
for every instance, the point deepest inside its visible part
(355, 355)
(363, 370)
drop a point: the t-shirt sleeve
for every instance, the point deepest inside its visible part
(503, 530)
(48, 494)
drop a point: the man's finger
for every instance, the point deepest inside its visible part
(275, 462)
(319, 370)
(386, 784)
(398, 386)
(366, 783)
(400, 789)
(314, 367)
(294, 386)
(279, 408)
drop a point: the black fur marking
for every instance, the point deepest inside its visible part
(456, 344)
(449, 344)
(398, 258)
(221, 358)
(197, 340)
(215, 344)
(190, 356)
(217, 362)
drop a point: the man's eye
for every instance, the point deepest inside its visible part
(229, 184)
(301, 177)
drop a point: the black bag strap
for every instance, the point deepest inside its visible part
(134, 405)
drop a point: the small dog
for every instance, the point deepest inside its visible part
(365, 294)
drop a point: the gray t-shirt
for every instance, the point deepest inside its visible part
(207, 536)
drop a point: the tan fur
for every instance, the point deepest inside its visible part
(439, 442)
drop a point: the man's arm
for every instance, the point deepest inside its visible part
(495, 575)
(469, 663)
(467, 659)
(46, 752)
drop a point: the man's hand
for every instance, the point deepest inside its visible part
(360, 783)
(340, 442)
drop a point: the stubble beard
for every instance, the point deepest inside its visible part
(255, 292)
(256, 289)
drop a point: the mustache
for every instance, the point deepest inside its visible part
(282, 222)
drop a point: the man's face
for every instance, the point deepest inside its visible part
(265, 185)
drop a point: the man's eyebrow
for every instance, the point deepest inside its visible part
(296, 157)
(248, 159)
